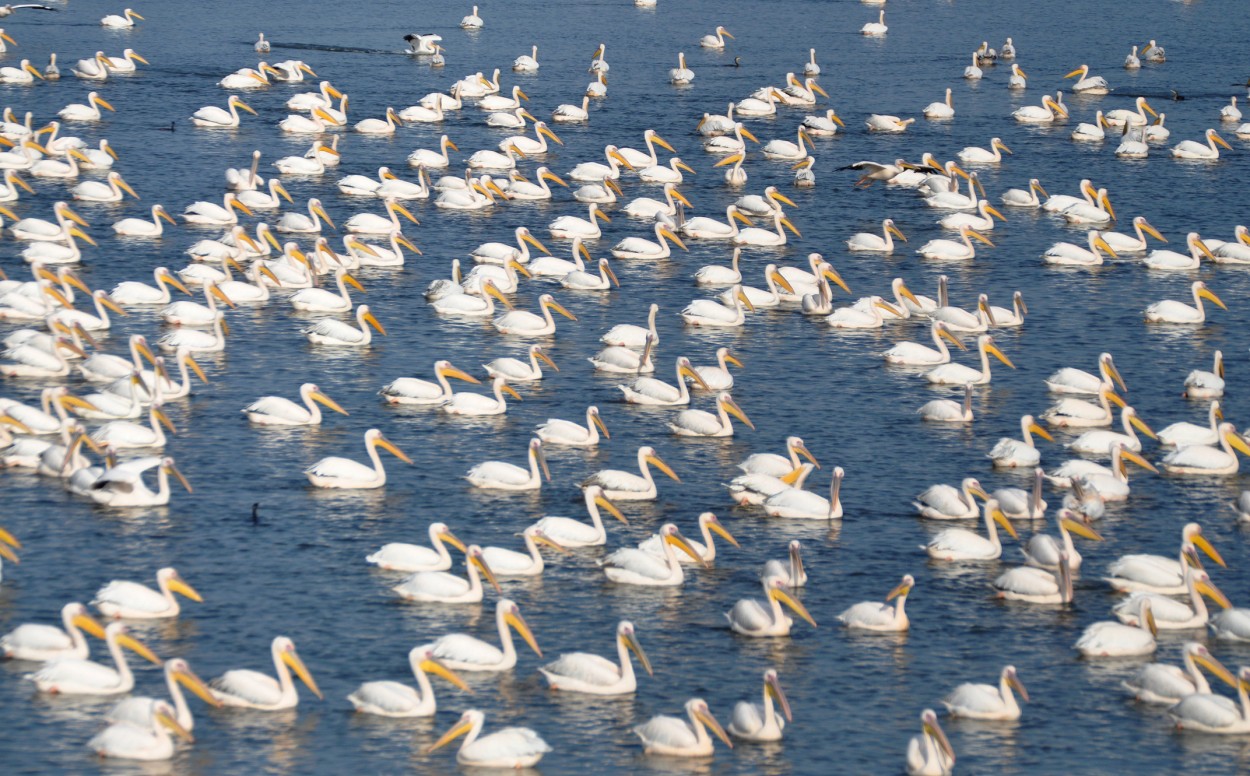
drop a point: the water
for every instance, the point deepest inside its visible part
(300, 571)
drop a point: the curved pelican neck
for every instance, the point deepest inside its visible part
(506, 644)
(627, 665)
(425, 691)
(1201, 685)
(282, 673)
(124, 675)
(181, 709)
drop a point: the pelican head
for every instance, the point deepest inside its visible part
(698, 710)
(903, 589)
(726, 402)
(649, 456)
(625, 635)
(778, 591)
(374, 438)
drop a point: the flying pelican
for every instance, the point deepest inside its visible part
(334, 472)
(876, 616)
(675, 737)
(582, 672)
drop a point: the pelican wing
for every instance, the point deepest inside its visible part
(466, 649)
(638, 562)
(500, 472)
(34, 637)
(666, 731)
(1210, 711)
(341, 468)
(750, 615)
(615, 479)
(130, 595)
(508, 743)
(251, 686)
(77, 672)
(868, 613)
(584, 667)
(977, 698)
(397, 556)
(433, 584)
(387, 697)
(278, 407)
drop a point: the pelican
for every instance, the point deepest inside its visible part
(1019, 79)
(1191, 149)
(398, 556)
(26, 73)
(984, 701)
(959, 374)
(593, 675)
(680, 75)
(580, 280)
(1185, 434)
(132, 293)
(951, 250)
(41, 643)
(178, 673)
(1113, 639)
(141, 227)
(298, 223)
(639, 248)
(621, 360)
(1171, 311)
(97, 322)
(1122, 243)
(197, 341)
(1109, 483)
(916, 354)
(960, 544)
(1209, 459)
(499, 475)
(795, 503)
(210, 214)
(371, 223)
(1201, 384)
(705, 424)
(867, 316)
(243, 688)
(886, 124)
(930, 753)
(221, 118)
(710, 312)
(650, 391)
(1166, 684)
(718, 377)
(632, 336)
(331, 331)
(477, 404)
(586, 228)
(126, 435)
(319, 300)
(675, 737)
(877, 616)
(973, 72)
(572, 114)
(1091, 133)
(395, 699)
(518, 371)
(566, 433)
(526, 323)
(775, 237)
(1044, 551)
(638, 566)
(1071, 380)
(1171, 260)
(866, 242)
(618, 485)
(1098, 442)
(790, 572)
(337, 472)
(511, 747)
(186, 313)
(1087, 84)
(716, 40)
(1159, 574)
(1011, 453)
(1076, 413)
(447, 588)
(510, 563)
(280, 411)
(823, 126)
(69, 676)
(385, 126)
(1049, 111)
(424, 157)
(1025, 197)
(250, 78)
(573, 533)
(1170, 614)
(89, 111)
(1037, 586)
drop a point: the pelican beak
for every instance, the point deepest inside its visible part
(669, 234)
(1114, 398)
(55, 293)
(551, 176)
(15, 423)
(994, 212)
(772, 686)
(1238, 443)
(554, 305)
(1150, 230)
(655, 461)
(321, 398)
(894, 230)
(607, 269)
(1106, 202)
(1101, 243)
(476, 560)
(69, 400)
(1208, 294)
(543, 130)
(742, 297)
(221, 295)
(389, 447)
(715, 527)
(936, 733)
(532, 240)
(542, 461)
(293, 660)
(24, 185)
(726, 33)
(493, 290)
(136, 646)
(683, 544)
(982, 238)
(508, 389)
(110, 304)
(432, 666)
(1075, 72)
(1081, 529)
(89, 624)
(662, 142)
(603, 503)
(598, 421)
(319, 210)
(786, 223)
(518, 623)
(404, 241)
(611, 184)
(195, 367)
(451, 371)
(28, 67)
(1041, 432)
(403, 211)
(462, 727)
(5, 35)
(451, 539)
(685, 167)
(1000, 144)
(1001, 356)
(1142, 427)
(173, 725)
(831, 273)
(740, 216)
(747, 134)
(602, 216)
(1215, 667)
(168, 424)
(544, 539)
(731, 159)
(1201, 543)
(372, 321)
(1214, 593)
(688, 371)
(631, 641)
(1129, 455)
(705, 717)
(68, 275)
(1002, 520)
(244, 106)
(195, 684)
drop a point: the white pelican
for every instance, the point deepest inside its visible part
(876, 29)
(1025, 197)
(526, 323)
(1019, 79)
(371, 223)
(242, 688)
(1088, 84)
(1133, 118)
(735, 175)
(197, 341)
(959, 374)
(1201, 384)
(1044, 551)
(622, 360)
(680, 75)
(395, 699)
(572, 226)
(221, 118)
(775, 237)
(187, 313)
(472, 22)
(973, 72)
(1012, 453)
(867, 242)
(1231, 625)
(718, 377)
(1157, 133)
(639, 248)
(636, 566)
(700, 423)
(145, 739)
(591, 674)
(447, 588)
(1197, 708)
(399, 556)
(298, 223)
(633, 336)
(784, 149)
(1091, 133)
(573, 533)
(126, 19)
(647, 207)
(710, 312)
(69, 676)
(619, 485)
(581, 280)
(1171, 311)
(930, 753)
(978, 155)
(477, 404)
(960, 544)
(178, 673)
(331, 331)
(90, 111)
(1171, 260)
(26, 73)
(940, 110)
(466, 653)
(1078, 413)
(1110, 483)
(130, 600)
(886, 124)
(385, 126)
(280, 411)
(1099, 441)
(675, 737)
(1018, 503)
(651, 391)
(1160, 574)
(337, 472)
(724, 144)
(1122, 243)
(510, 747)
(142, 227)
(1045, 113)
(641, 159)
(252, 78)
(1035, 585)
(716, 40)
(518, 371)
(319, 300)
(125, 63)
(510, 563)
(1209, 459)
(1113, 639)
(127, 435)
(823, 126)
(778, 465)
(424, 157)
(499, 475)
(865, 316)
(41, 643)
(952, 250)
(1191, 149)
(566, 433)
(795, 503)
(752, 617)
(811, 68)
(572, 114)
(916, 354)
(1170, 614)
(89, 322)
(210, 214)
(877, 616)
(1071, 380)
(1185, 434)
(791, 572)
(985, 701)
(500, 253)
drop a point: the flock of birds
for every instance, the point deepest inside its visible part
(253, 267)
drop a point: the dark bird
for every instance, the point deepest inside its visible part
(256, 513)
(7, 10)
